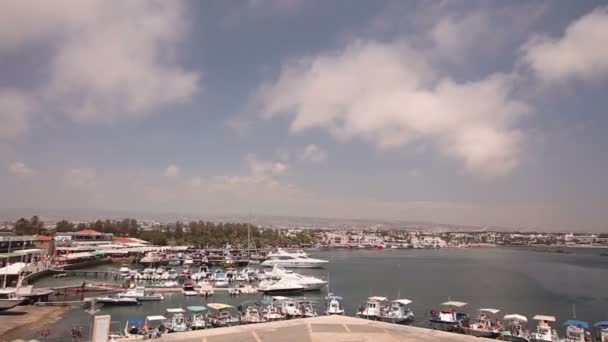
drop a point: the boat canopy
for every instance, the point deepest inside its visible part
(279, 298)
(492, 311)
(156, 318)
(219, 306)
(135, 320)
(577, 323)
(377, 299)
(544, 318)
(176, 310)
(454, 303)
(516, 317)
(402, 301)
(602, 324)
(196, 308)
(333, 297)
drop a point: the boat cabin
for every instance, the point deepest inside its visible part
(372, 307)
(543, 329)
(177, 320)
(449, 311)
(334, 305)
(602, 333)
(576, 330)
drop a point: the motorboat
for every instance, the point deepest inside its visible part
(185, 270)
(115, 300)
(280, 286)
(228, 262)
(398, 311)
(188, 289)
(148, 328)
(289, 307)
(124, 272)
(602, 333)
(372, 308)
(9, 299)
(223, 315)
(483, 326)
(252, 315)
(448, 318)
(197, 317)
(172, 274)
(309, 283)
(152, 258)
(188, 262)
(140, 294)
(576, 331)
(177, 320)
(247, 289)
(272, 313)
(170, 283)
(334, 305)
(205, 288)
(544, 332)
(292, 260)
(516, 328)
(160, 270)
(307, 310)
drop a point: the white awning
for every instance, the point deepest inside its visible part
(516, 317)
(492, 311)
(13, 269)
(454, 303)
(544, 318)
(402, 301)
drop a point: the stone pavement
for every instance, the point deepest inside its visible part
(323, 328)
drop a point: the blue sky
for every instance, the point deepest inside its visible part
(472, 112)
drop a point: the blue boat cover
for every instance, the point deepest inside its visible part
(602, 324)
(135, 320)
(333, 297)
(574, 322)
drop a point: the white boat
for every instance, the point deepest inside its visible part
(292, 260)
(309, 283)
(140, 294)
(289, 307)
(398, 312)
(252, 315)
(372, 307)
(223, 315)
(247, 289)
(483, 326)
(544, 332)
(160, 270)
(280, 286)
(154, 327)
(448, 318)
(177, 320)
(169, 283)
(9, 299)
(306, 309)
(188, 289)
(602, 333)
(205, 288)
(516, 328)
(151, 258)
(575, 331)
(272, 313)
(197, 317)
(124, 272)
(116, 300)
(334, 305)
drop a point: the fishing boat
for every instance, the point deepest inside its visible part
(516, 328)
(372, 308)
(397, 312)
(223, 315)
(334, 305)
(197, 317)
(188, 289)
(115, 300)
(252, 315)
(576, 331)
(483, 326)
(271, 312)
(148, 328)
(602, 333)
(306, 309)
(544, 332)
(177, 320)
(9, 299)
(282, 286)
(448, 318)
(140, 294)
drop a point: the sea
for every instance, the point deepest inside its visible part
(525, 281)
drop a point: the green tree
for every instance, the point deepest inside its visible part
(64, 226)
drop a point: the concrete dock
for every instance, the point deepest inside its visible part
(319, 329)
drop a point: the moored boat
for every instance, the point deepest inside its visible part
(483, 326)
(293, 260)
(9, 299)
(280, 287)
(188, 289)
(448, 318)
(576, 331)
(334, 305)
(372, 308)
(544, 332)
(141, 294)
(197, 317)
(223, 315)
(115, 300)
(177, 320)
(252, 315)
(516, 328)
(602, 333)
(398, 312)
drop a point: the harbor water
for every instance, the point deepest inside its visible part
(514, 280)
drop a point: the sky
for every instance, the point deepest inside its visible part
(464, 112)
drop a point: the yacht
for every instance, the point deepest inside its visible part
(575, 331)
(280, 286)
(309, 283)
(483, 326)
(9, 299)
(177, 320)
(544, 332)
(292, 260)
(448, 319)
(197, 317)
(516, 329)
(398, 312)
(140, 294)
(334, 305)
(372, 307)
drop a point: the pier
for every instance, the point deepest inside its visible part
(318, 329)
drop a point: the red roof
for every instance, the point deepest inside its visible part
(88, 231)
(123, 239)
(43, 238)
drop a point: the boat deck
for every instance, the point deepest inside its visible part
(317, 329)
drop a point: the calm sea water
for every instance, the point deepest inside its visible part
(511, 279)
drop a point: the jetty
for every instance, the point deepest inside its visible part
(319, 329)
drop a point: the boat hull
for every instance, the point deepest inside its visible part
(444, 326)
(282, 291)
(7, 304)
(514, 338)
(398, 320)
(481, 333)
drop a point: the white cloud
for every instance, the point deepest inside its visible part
(454, 36)
(14, 109)
(265, 168)
(172, 171)
(108, 59)
(581, 53)
(81, 178)
(20, 169)
(388, 94)
(314, 153)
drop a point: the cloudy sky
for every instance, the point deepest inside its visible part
(472, 112)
